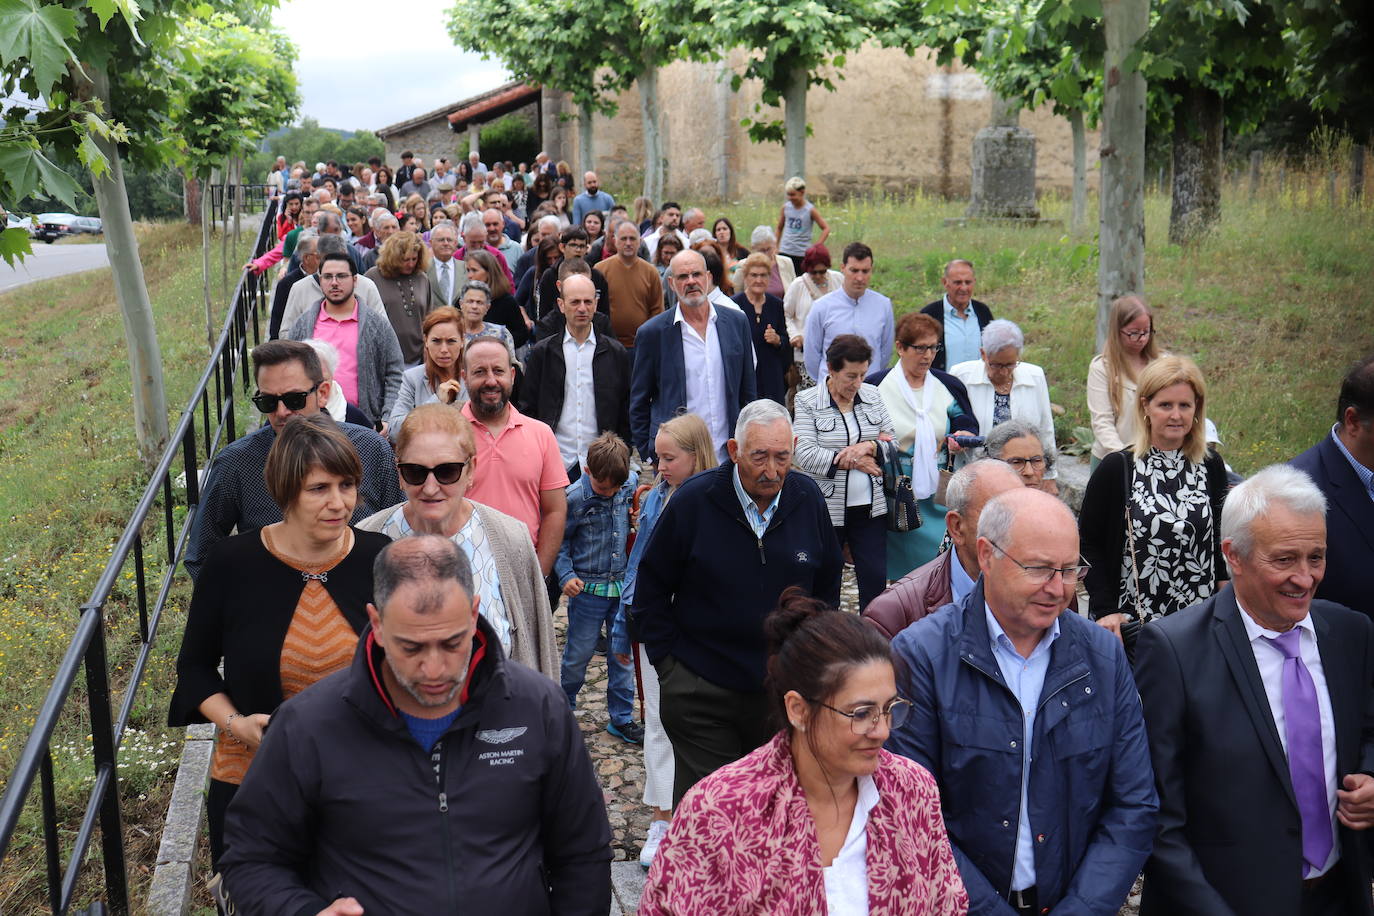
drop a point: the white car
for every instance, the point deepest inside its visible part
(14, 222)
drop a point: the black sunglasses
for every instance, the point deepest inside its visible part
(294, 400)
(416, 474)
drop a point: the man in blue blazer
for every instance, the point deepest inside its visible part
(696, 357)
(1342, 466)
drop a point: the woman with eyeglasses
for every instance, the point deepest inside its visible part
(930, 410)
(820, 819)
(1130, 346)
(816, 280)
(280, 607)
(436, 459)
(1001, 387)
(1150, 525)
(1018, 443)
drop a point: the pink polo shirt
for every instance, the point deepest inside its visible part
(516, 466)
(343, 334)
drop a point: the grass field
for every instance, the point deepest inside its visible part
(1273, 307)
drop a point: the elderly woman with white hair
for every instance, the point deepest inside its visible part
(1001, 387)
(765, 241)
(337, 406)
(1018, 444)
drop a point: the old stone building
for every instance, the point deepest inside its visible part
(439, 132)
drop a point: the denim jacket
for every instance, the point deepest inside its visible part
(595, 534)
(649, 509)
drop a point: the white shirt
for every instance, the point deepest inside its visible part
(704, 368)
(846, 878)
(576, 427)
(1270, 662)
(718, 297)
(858, 487)
(651, 241)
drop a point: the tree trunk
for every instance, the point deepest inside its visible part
(1121, 263)
(1080, 172)
(653, 134)
(794, 124)
(191, 198)
(1196, 207)
(1256, 165)
(586, 153)
(205, 274)
(131, 292)
(1357, 173)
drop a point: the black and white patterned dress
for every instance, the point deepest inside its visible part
(1171, 525)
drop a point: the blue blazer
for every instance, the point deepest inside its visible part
(658, 384)
(1349, 576)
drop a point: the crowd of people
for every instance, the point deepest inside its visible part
(685, 441)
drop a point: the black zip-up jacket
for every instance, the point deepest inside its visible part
(505, 816)
(546, 371)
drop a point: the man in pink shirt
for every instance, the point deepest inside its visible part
(519, 468)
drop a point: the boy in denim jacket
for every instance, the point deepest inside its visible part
(591, 570)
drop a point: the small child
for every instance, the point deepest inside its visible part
(591, 570)
(794, 223)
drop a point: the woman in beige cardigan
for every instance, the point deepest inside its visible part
(435, 456)
(1130, 346)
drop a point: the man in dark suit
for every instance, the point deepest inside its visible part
(578, 381)
(1342, 466)
(696, 356)
(1260, 715)
(961, 316)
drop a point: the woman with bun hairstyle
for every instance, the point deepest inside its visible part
(820, 819)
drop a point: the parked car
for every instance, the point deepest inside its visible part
(87, 225)
(15, 222)
(49, 227)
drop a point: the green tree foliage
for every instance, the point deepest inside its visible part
(310, 143)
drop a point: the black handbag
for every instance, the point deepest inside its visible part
(903, 514)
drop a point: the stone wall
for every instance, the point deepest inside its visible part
(434, 138)
(894, 122)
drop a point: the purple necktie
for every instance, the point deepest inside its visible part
(1303, 728)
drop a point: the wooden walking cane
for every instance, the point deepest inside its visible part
(629, 545)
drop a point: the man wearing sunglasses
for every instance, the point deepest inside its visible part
(290, 381)
(1031, 724)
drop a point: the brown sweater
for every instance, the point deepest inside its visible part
(636, 295)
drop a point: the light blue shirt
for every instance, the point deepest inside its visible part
(1025, 677)
(1365, 474)
(585, 203)
(869, 316)
(963, 337)
(959, 582)
(758, 521)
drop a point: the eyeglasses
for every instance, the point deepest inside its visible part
(863, 719)
(1018, 464)
(294, 400)
(923, 349)
(1043, 574)
(334, 278)
(1137, 335)
(417, 474)
(1004, 367)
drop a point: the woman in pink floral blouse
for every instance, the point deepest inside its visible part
(821, 819)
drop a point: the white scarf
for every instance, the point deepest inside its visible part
(925, 476)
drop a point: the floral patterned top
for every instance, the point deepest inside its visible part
(1171, 526)
(743, 841)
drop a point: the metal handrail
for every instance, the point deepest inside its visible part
(224, 369)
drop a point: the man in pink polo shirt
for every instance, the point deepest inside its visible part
(519, 468)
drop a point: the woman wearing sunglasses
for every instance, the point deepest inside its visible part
(820, 819)
(281, 606)
(435, 457)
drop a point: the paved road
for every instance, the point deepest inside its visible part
(52, 261)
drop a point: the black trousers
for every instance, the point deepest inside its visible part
(708, 725)
(867, 540)
(217, 801)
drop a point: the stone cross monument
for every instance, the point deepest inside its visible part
(1003, 167)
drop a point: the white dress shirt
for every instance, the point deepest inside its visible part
(1270, 662)
(846, 878)
(576, 427)
(704, 368)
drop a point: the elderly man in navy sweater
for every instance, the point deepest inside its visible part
(727, 545)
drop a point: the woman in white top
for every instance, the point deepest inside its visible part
(1001, 387)
(1112, 374)
(816, 280)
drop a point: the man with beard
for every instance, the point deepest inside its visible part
(519, 469)
(338, 813)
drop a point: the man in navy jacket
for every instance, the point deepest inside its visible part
(1028, 718)
(727, 545)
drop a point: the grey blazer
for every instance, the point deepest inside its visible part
(415, 391)
(460, 277)
(379, 360)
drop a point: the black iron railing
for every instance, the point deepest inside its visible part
(220, 199)
(193, 444)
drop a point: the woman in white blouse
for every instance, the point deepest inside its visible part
(1001, 387)
(1130, 347)
(816, 280)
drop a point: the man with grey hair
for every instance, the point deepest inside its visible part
(960, 315)
(951, 575)
(384, 225)
(728, 544)
(338, 812)
(1030, 722)
(495, 222)
(695, 356)
(307, 294)
(1260, 712)
(544, 227)
(307, 262)
(472, 231)
(445, 272)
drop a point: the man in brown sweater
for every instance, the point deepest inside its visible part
(633, 283)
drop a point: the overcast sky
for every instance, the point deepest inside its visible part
(399, 62)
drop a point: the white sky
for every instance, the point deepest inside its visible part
(400, 61)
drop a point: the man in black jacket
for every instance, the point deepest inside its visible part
(962, 317)
(578, 382)
(433, 776)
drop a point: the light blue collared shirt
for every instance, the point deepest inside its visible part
(959, 582)
(1365, 474)
(759, 521)
(963, 337)
(1025, 677)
